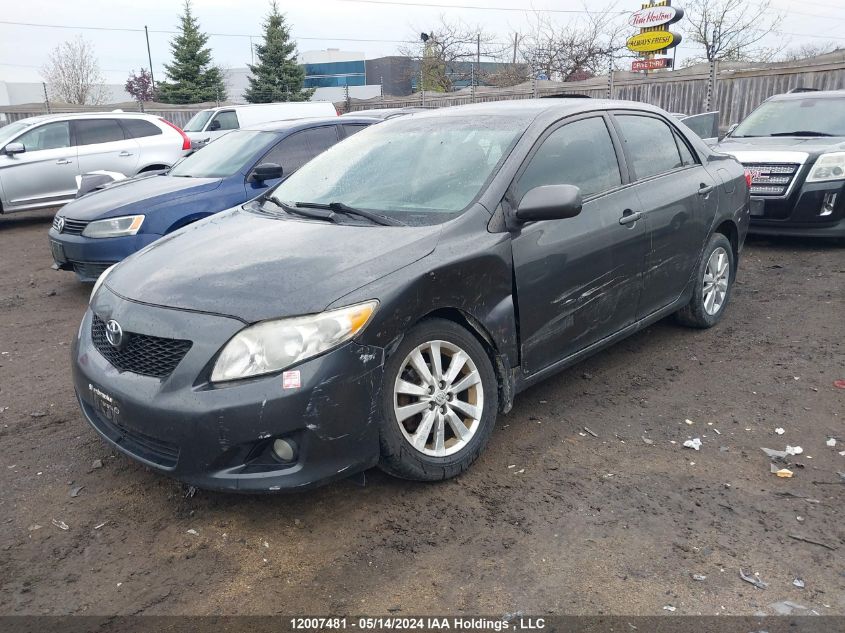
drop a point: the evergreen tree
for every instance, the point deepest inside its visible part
(277, 76)
(193, 77)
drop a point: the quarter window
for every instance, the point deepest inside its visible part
(50, 136)
(579, 153)
(138, 128)
(686, 155)
(93, 131)
(650, 143)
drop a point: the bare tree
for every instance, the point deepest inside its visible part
(731, 30)
(448, 52)
(73, 73)
(806, 51)
(575, 49)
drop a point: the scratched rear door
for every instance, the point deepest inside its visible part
(579, 279)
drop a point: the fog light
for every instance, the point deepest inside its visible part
(285, 450)
(827, 204)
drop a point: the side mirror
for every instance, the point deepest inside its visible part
(214, 125)
(14, 148)
(550, 202)
(266, 171)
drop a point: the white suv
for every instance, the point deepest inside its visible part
(42, 156)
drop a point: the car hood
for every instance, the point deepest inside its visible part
(141, 193)
(814, 145)
(255, 267)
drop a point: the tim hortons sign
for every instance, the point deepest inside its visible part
(655, 16)
(652, 41)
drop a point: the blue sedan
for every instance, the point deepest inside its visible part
(103, 227)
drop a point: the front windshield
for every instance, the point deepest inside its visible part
(407, 165)
(198, 121)
(807, 117)
(223, 157)
(8, 132)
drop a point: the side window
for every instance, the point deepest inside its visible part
(50, 136)
(351, 128)
(139, 128)
(321, 138)
(93, 131)
(650, 144)
(686, 155)
(300, 147)
(579, 153)
(226, 120)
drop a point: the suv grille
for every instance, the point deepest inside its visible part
(141, 354)
(71, 227)
(771, 179)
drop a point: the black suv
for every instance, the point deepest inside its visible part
(794, 147)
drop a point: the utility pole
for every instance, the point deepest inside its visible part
(515, 46)
(251, 51)
(472, 81)
(478, 48)
(46, 98)
(150, 58)
(610, 79)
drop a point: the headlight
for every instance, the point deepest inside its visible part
(828, 167)
(100, 281)
(272, 346)
(114, 227)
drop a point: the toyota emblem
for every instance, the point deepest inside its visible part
(60, 224)
(114, 333)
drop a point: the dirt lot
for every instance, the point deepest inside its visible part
(549, 520)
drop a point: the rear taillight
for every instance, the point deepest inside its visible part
(748, 178)
(186, 142)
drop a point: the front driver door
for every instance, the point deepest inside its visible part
(578, 280)
(45, 173)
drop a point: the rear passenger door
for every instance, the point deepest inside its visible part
(678, 202)
(293, 151)
(578, 279)
(103, 144)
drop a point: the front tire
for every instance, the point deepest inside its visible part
(440, 400)
(713, 285)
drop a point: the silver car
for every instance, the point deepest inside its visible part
(42, 156)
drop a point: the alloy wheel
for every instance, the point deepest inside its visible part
(438, 398)
(716, 277)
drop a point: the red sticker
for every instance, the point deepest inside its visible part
(839, 383)
(291, 380)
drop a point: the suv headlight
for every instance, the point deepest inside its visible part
(828, 167)
(114, 227)
(272, 346)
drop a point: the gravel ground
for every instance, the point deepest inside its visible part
(550, 520)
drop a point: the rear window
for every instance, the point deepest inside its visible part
(139, 128)
(93, 131)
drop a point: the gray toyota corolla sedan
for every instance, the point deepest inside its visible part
(386, 302)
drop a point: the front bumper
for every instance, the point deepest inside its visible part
(802, 213)
(218, 437)
(88, 257)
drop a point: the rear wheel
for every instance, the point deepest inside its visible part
(440, 402)
(714, 282)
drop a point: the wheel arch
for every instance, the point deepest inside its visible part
(729, 229)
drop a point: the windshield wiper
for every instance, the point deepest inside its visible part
(295, 210)
(339, 207)
(801, 133)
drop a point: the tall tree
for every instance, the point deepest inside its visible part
(277, 76)
(73, 74)
(193, 76)
(140, 86)
(731, 30)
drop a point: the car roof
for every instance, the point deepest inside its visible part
(809, 94)
(83, 115)
(307, 122)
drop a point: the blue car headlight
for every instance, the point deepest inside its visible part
(114, 227)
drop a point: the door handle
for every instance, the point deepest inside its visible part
(705, 189)
(63, 161)
(125, 154)
(629, 217)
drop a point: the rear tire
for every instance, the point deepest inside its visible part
(439, 403)
(713, 285)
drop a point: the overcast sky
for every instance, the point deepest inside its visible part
(24, 49)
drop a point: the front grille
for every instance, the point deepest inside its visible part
(71, 227)
(771, 179)
(140, 354)
(91, 270)
(165, 454)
